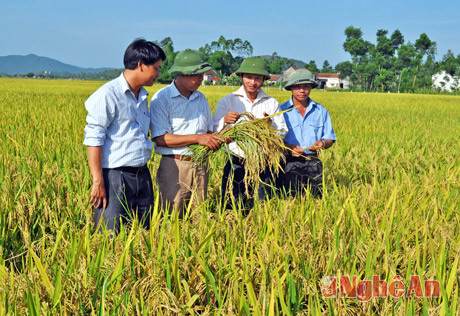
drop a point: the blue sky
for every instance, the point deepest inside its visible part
(96, 33)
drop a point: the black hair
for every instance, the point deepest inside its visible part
(142, 51)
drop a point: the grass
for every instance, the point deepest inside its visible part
(390, 207)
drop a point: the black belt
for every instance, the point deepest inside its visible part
(132, 169)
(302, 157)
(237, 160)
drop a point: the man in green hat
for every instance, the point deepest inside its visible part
(180, 116)
(248, 98)
(310, 131)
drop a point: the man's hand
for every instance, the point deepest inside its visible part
(231, 117)
(317, 146)
(210, 140)
(297, 151)
(268, 120)
(98, 194)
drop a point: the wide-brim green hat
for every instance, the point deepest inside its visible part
(253, 65)
(189, 62)
(301, 76)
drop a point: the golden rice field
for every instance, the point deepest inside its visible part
(391, 207)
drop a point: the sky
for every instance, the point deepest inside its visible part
(96, 33)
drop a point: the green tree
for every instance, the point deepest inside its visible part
(226, 54)
(449, 63)
(312, 67)
(345, 69)
(327, 68)
(397, 39)
(168, 47)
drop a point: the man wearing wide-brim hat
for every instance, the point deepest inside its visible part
(180, 116)
(309, 131)
(248, 98)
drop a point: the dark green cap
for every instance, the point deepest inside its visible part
(253, 65)
(300, 76)
(189, 62)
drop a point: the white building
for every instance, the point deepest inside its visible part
(331, 81)
(445, 82)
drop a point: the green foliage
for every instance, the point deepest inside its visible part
(390, 65)
(312, 67)
(327, 68)
(277, 65)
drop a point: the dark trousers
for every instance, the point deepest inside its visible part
(300, 173)
(234, 177)
(129, 193)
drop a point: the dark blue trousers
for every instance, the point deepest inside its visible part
(234, 177)
(129, 193)
(300, 173)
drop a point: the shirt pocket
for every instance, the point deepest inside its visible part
(316, 129)
(294, 135)
(144, 122)
(126, 114)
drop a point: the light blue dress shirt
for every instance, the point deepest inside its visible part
(304, 131)
(119, 124)
(171, 112)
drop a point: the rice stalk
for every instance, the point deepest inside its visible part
(263, 148)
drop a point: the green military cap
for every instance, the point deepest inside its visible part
(300, 76)
(253, 65)
(189, 62)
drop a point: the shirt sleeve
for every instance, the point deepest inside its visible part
(278, 120)
(159, 116)
(101, 112)
(328, 130)
(218, 118)
(209, 115)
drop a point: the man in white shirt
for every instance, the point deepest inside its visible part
(180, 116)
(248, 98)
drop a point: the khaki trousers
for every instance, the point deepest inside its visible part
(177, 180)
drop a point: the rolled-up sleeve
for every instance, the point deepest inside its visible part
(159, 118)
(279, 122)
(101, 112)
(218, 117)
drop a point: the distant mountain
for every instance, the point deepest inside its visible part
(297, 63)
(16, 64)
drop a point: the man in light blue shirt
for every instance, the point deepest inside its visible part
(180, 116)
(117, 136)
(309, 131)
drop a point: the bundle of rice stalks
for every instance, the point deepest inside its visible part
(262, 147)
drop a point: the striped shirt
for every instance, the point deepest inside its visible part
(119, 124)
(171, 112)
(239, 102)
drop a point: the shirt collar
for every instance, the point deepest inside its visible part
(260, 95)
(175, 92)
(125, 87)
(311, 103)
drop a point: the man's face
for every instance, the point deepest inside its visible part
(191, 82)
(301, 92)
(152, 72)
(252, 82)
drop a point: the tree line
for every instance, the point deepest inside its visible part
(390, 64)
